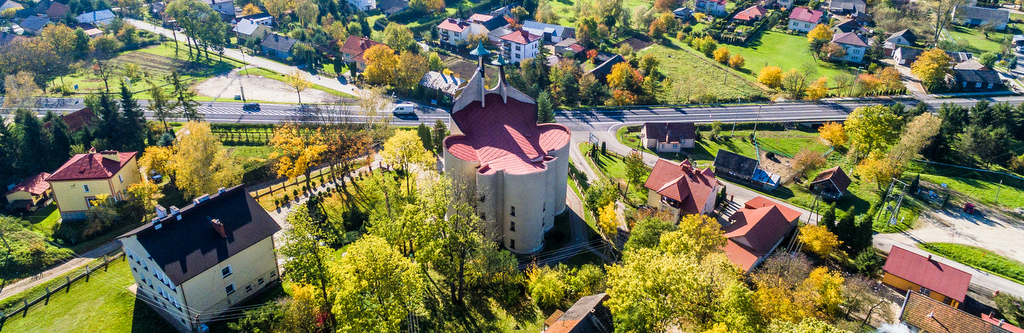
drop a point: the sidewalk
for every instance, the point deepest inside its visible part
(70, 265)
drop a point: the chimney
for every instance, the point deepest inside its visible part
(929, 257)
(1001, 321)
(221, 190)
(156, 223)
(112, 155)
(219, 227)
(931, 315)
(92, 150)
(176, 212)
(161, 212)
(201, 198)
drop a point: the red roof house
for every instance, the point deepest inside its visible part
(91, 166)
(354, 47)
(756, 230)
(451, 24)
(29, 192)
(751, 14)
(806, 15)
(681, 188)
(521, 37)
(82, 182)
(1001, 323)
(77, 120)
(831, 183)
(906, 270)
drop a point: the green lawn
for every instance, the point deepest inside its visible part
(103, 304)
(700, 74)
(780, 50)
(980, 190)
(976, 42)
(155, 63)
(978, 258)
(44, 219)
(250, 151)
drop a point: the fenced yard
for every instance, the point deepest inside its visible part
(94, 297)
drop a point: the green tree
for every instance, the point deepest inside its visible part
(872, 128)
(60, 141)
(133, 124)
(200, 163)
(399, 37)
(378, 287)
(647, 233)
(425, 136)
(828, 220)
(34, 141)
(545, 111)
(161, 105)
(635, 168)
(808, 325)
(434, 62)
(308, 256)
(440, 131)
(405, 150)
(184, 98)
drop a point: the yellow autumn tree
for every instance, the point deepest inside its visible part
(608, 220)
(722, 54)
(833, 133)
(737, 61)
(931, 67)
(878, 169)
(157, 158)
(251, 9)
(817, 90)
(819, 240)
(381, 64)
(770, 76)
(697, 234)
(827, 286)
(200, 163)
(404, 150)
(147, 194)
(296, 151)
(820, 32)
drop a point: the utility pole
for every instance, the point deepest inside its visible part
(244, 68)
(893, 201)
(753, 135)
(997, 190)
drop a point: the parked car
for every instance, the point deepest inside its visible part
(253, 107)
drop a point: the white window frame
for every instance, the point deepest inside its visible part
(232, 291)
(226, 275)
(120, 179)
(85, 187)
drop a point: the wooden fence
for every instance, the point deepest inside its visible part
(55, 286)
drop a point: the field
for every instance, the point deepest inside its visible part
(567, 17)
(980, 190)
(155, 64)
(780, 50)
(700, 75)
(44, 219)
(978, 258)
(103, 304)
(974, 41)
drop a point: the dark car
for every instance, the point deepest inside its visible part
(251, 107)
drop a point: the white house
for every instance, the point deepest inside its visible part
(456, 32)
(803, 19)
(251, 30)
(226, 7)
(551, 33)
(900, 38)
(193, 263)
(710, 7)
(363, 5)
(520, 45)
(854, 44)
(97, 17)
(974, 16)
(668, 137)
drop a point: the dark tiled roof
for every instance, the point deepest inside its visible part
(91, 166)
(847, 6)
(735, 162)
(984, 76)
(538, 28)
(847, 25)
(836, 175)
(42, 6)
(906, 34)
(605, 68)
(7, 38)
(35, 23)
(980, 13)
(930, 315)
(928, 273)
(681, 182)
(279, 43)
(57, 11)
(849, 38)
(671, 132)
(908, 53)
(184, 248)
(587, 315)
(392, 6)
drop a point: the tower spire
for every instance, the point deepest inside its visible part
(481, 53)
(501, 62)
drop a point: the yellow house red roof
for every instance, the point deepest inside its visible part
(36, 184)
(92, 166)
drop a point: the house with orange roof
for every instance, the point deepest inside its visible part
(752, 14)
(77, 184)
(354, 47)
(756, 230)
(29, 192)
(831, 184)
(681, 189)
(906, 270)
(587, 315)
(921, 313)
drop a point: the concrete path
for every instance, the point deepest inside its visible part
(253, 60)
(70, 265)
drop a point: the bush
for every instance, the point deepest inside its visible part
(868, 262)
(30, 252)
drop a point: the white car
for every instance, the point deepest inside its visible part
(404, 108)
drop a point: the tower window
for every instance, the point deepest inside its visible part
(513, 210)
(512, 244)
(513, 226)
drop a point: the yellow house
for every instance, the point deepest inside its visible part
(194, 263)
(77, 183)
(29, 192)
(909, 271)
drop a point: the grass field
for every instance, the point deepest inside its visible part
(780, 50)
(44, 219)
(685, 66)
(976, 42)
(103, 304)
(980, 190)
(978, 258)
(155, 63)
(250, 151)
